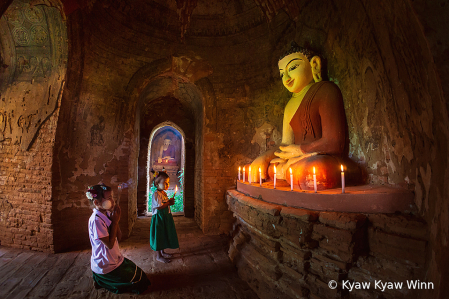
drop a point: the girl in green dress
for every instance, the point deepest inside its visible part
(162, 231)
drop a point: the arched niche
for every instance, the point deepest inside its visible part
(156, 156)
(164, 92)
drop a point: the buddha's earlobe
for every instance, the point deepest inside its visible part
(315, 62)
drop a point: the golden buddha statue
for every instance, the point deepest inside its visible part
(314, 128)
(166, 152)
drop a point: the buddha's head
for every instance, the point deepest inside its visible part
(167, 142)
(299, 67)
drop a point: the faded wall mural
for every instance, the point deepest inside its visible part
(34, 57)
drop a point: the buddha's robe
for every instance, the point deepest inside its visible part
(169, 152)
(319, 126)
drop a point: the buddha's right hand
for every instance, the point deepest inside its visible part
(278, 160)
(289, 151)
(262, 161)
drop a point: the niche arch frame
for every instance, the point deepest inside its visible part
(154, 133)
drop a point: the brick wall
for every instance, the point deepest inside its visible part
(285, 252)
(26, 191)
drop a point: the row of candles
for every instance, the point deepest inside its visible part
(291, 178)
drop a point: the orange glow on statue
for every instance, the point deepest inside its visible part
(314, 125)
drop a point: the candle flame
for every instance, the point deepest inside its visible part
(290, 170)
(260, 170)
(341, 168)
(239, 168)
(250, 168)
(275, 169)
(313, 169)
(176, 188)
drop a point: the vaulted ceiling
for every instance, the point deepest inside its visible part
(194, 17)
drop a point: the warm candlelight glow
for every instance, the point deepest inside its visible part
(250, 168)
(260, 170)
(176, 188)
(341, 168)
(313, 169)
(239, 168)
(274, 168)
(290, 170)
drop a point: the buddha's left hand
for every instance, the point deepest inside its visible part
(289, 151)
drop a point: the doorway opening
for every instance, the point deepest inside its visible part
(166, 152)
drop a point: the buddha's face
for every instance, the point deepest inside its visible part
(167, 142)
(296, 72)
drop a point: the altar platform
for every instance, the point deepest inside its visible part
(356, 199)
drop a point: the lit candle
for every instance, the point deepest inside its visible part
(176, 190)
(249, 175)
(291, 179)
(274, 176)
(342, 180)
(239, 173)
(314, 179)
(260, 177)
(243, 173)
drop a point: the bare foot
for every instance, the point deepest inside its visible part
(163, 259)
(167, 255)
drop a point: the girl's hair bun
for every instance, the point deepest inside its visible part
(97, 191)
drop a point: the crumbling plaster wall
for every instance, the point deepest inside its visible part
(95, 136)
(433, 17)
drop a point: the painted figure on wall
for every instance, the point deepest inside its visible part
(167, 152)
(314, 126)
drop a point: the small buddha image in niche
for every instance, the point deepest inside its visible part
(166, 152)
(315, 130)
(166, 149)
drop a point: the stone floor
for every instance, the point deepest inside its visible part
(200, 269)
